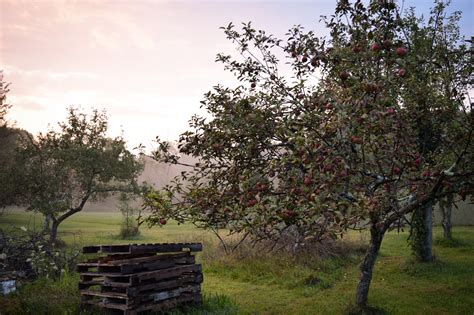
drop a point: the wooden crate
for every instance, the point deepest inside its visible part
(134, 278)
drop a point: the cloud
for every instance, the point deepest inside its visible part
(29, 102)
(16, 71)
(110, 40)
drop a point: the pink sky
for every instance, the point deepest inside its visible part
(148, 63)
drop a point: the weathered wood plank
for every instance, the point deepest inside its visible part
(142, 248)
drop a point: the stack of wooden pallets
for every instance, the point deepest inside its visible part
(141, 277)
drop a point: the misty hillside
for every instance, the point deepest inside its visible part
(154, 173)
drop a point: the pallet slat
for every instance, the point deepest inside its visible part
(142, 248)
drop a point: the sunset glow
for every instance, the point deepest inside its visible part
(148, 63)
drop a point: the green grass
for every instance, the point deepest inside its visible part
(281, 284)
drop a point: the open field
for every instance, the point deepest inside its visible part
(280, 284)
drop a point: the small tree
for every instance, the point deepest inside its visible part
(335, 146)
(60, 171)
(130, 226)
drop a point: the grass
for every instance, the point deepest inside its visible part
(281, 284)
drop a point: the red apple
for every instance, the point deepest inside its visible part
(328, 168)
(390, 111)
(397, 170)
(304, 59)
(344, 75)
(162, 221)
(261, 187)
(401, 72)
(401, 51)
(288, 214)
(375, 47)
(387, 44)
(418, 161)
(356, 140)
(252, 203)
(253, 85)
(356, 49)
(371, 87)
(307, 181)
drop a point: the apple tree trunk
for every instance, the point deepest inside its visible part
(367, 266)
(53, 233)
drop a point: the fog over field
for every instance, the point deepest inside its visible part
(159, 174)
(154, 173)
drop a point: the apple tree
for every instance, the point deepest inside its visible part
(60, 171)
(333, 145)
(444, 64)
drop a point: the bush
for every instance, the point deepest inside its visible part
(127, 231)
(30, 255)
(130, 226)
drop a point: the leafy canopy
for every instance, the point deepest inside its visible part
(61, 170)
(371, 125)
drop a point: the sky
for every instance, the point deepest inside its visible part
(147, 63)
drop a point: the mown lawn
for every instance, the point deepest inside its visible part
(279, 284)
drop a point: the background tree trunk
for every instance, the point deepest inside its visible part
(446, 207)
(367, 266)
(426, 253)
(422, 233)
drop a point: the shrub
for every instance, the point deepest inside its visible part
(130, 226)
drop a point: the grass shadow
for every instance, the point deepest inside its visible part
(368, 310)
(450, 242)
(212, 304)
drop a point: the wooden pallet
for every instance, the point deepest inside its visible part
(127, 301)
(142, 248)
(141, 277)
(133, 265)
(150, 306)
